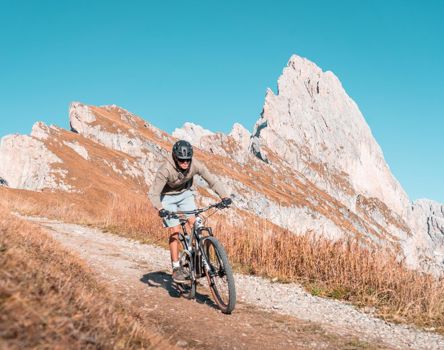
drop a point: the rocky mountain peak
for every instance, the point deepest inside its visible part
(26, 162)
(321, 170)
(316, 127)
(41, 131)
(78, 115)
(241, 135)
(191, 133)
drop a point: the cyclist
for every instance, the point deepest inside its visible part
(172, 191)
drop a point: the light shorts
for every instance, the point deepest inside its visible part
(177, 202)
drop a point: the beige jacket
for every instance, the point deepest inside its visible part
(170, 180)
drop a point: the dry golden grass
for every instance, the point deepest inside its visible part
(50, 300)
(342, 270)
(134, 217)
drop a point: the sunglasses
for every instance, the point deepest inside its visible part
(184, 160)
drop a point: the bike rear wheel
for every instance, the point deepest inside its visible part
(220, 276)
(187, 289)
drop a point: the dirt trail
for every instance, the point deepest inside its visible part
(140, 275)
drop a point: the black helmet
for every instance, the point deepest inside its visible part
(183, 150)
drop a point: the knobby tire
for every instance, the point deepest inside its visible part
(220, 277)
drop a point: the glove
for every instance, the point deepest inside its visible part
(226, 201)
(163, 213)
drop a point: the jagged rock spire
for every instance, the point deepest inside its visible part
(316, 127)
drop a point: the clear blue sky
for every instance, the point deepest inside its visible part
(210, 62)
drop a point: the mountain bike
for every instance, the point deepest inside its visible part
(203, 255)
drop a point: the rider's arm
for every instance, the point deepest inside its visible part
(156, 188)
(214, 183)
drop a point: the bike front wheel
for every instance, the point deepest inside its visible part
(219, 275)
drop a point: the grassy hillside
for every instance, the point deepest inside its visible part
(50, 299)
(342, 270)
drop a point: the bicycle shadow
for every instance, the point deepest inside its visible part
(161, 279)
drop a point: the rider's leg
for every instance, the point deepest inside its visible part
(183, 201)
(174, 243)
(188, 204)
(191, 220)
(169, 202)
(178, 275)
(174, 239)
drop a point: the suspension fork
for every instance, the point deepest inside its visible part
(203, 257)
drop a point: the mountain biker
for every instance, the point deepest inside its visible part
(172, 191)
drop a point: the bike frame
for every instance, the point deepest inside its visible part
(194, 242)
(195, 261)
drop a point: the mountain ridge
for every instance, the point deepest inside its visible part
(290, 169)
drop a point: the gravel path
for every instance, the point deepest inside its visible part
(122, 261)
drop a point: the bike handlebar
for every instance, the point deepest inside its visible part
(219, 205)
